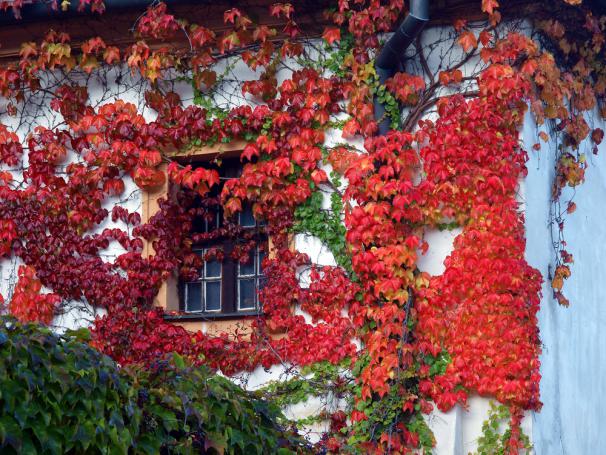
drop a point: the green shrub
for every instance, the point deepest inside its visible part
(187, 409)
(58, 395)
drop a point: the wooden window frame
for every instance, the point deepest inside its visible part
(168, 296)
(229, 280)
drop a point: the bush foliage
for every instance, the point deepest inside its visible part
(58, 395)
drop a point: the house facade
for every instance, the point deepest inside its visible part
(223, 297)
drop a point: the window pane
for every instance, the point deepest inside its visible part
(231, 169)
(246, 294)
(193, 297)
(213, 296)
(200, 254)
(260, 266)
(246, 216)
(249, 267)
(215, 222)
(198, 224)
(213, 269)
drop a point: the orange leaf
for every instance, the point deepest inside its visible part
(28, 50)
(457, 76)
(111, 55)
(444, 77)
(488, 6)
(530, 66)
(468, 41)
(460, 24)
(494, 18)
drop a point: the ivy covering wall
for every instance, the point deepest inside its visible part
(388, 339)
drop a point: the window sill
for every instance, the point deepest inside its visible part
(210, 316)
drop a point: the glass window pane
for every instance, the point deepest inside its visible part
(261, 282)
(213, 269)
(211, 220)
(230, 170)
(246, 216)
(248, 268)
(246, 294)
(198, 224)
(216, 221)
(193, 297)
(260, 266)
(213, 296)
(200, 270)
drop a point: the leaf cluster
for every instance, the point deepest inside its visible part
(310, 218)
(58, 395)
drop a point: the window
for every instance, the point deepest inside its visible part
(231, 255)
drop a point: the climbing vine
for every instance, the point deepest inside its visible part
(326, 224)
(402, 340)
(493, 439)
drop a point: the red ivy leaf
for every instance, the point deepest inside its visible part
(278, 9)
(230, 15)
(332, 34)
(250, 151)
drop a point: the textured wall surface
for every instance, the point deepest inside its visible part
(573, 367)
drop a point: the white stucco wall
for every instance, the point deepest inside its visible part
(573, 363)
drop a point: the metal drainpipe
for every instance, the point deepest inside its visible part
(386, 64)
(389, 58)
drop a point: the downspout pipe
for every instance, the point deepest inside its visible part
(388, 60)
(386, 65)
